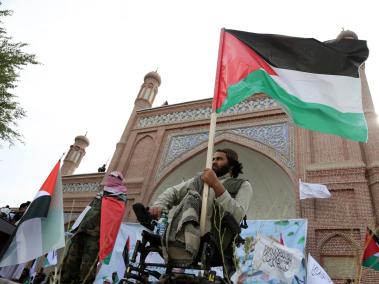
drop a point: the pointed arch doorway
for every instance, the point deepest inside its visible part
(273, 189)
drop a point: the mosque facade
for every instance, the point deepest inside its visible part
(165, 145)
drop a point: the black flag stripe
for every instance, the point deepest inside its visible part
(335, 57)
(38, 208)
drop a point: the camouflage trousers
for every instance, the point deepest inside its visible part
(79, 262)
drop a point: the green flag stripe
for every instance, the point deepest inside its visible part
(107, 259)
(311, 116)
(371, 262)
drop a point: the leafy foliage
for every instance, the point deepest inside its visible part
(12, 60)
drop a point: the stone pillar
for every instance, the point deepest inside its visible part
(371, 148)
(148, 91)
(333, 150)
(75, 155)
(144, 100)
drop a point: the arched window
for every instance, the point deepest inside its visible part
(339, 255)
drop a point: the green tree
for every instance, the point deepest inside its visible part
(12, 60)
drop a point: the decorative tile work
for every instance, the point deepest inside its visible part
(204, 113)
(275, 136)
(81, 187)
(181, 144)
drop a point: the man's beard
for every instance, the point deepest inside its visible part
(221, 171)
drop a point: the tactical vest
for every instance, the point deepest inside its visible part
(232, 185)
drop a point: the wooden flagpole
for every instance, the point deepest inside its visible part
(360, 273)
(208, 164)
(212, 132)
(62, 156)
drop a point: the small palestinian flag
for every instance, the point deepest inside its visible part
(125, 253)
(316, 82)
(112, 212)
(41, 228)
(371, 254)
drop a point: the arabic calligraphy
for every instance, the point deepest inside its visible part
(275, 257)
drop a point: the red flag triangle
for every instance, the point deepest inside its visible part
(372, 245)
(49, 184)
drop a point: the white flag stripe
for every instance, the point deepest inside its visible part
(313, 190)
(41, 193)
(17, 273)
(80, 218)
(32, 270)
(7, 271)
(315, 273)
(35, 235)
(20, 250)
(51, 258)
(330, 90)
(276, 260)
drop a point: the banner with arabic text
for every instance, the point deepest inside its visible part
(290, 233)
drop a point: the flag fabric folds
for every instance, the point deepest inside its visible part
(12, 272)
(315, 273)
(316, 82)
(276, 260)
(51, 258)
(80, 218)
(125, 252)
(112, 212)
(371, 254)
(41, 229)
(313, 190)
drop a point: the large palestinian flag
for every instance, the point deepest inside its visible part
(316, 82)
(41, 229)
(371, 254)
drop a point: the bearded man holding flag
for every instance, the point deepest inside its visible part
(94, 237)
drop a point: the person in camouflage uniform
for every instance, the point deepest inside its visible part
(81, 256)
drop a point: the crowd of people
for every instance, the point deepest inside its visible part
(27, 275)
(21, 273)
(230, 194)
(11, 215)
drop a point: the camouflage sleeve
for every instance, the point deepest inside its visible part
(172, 196)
